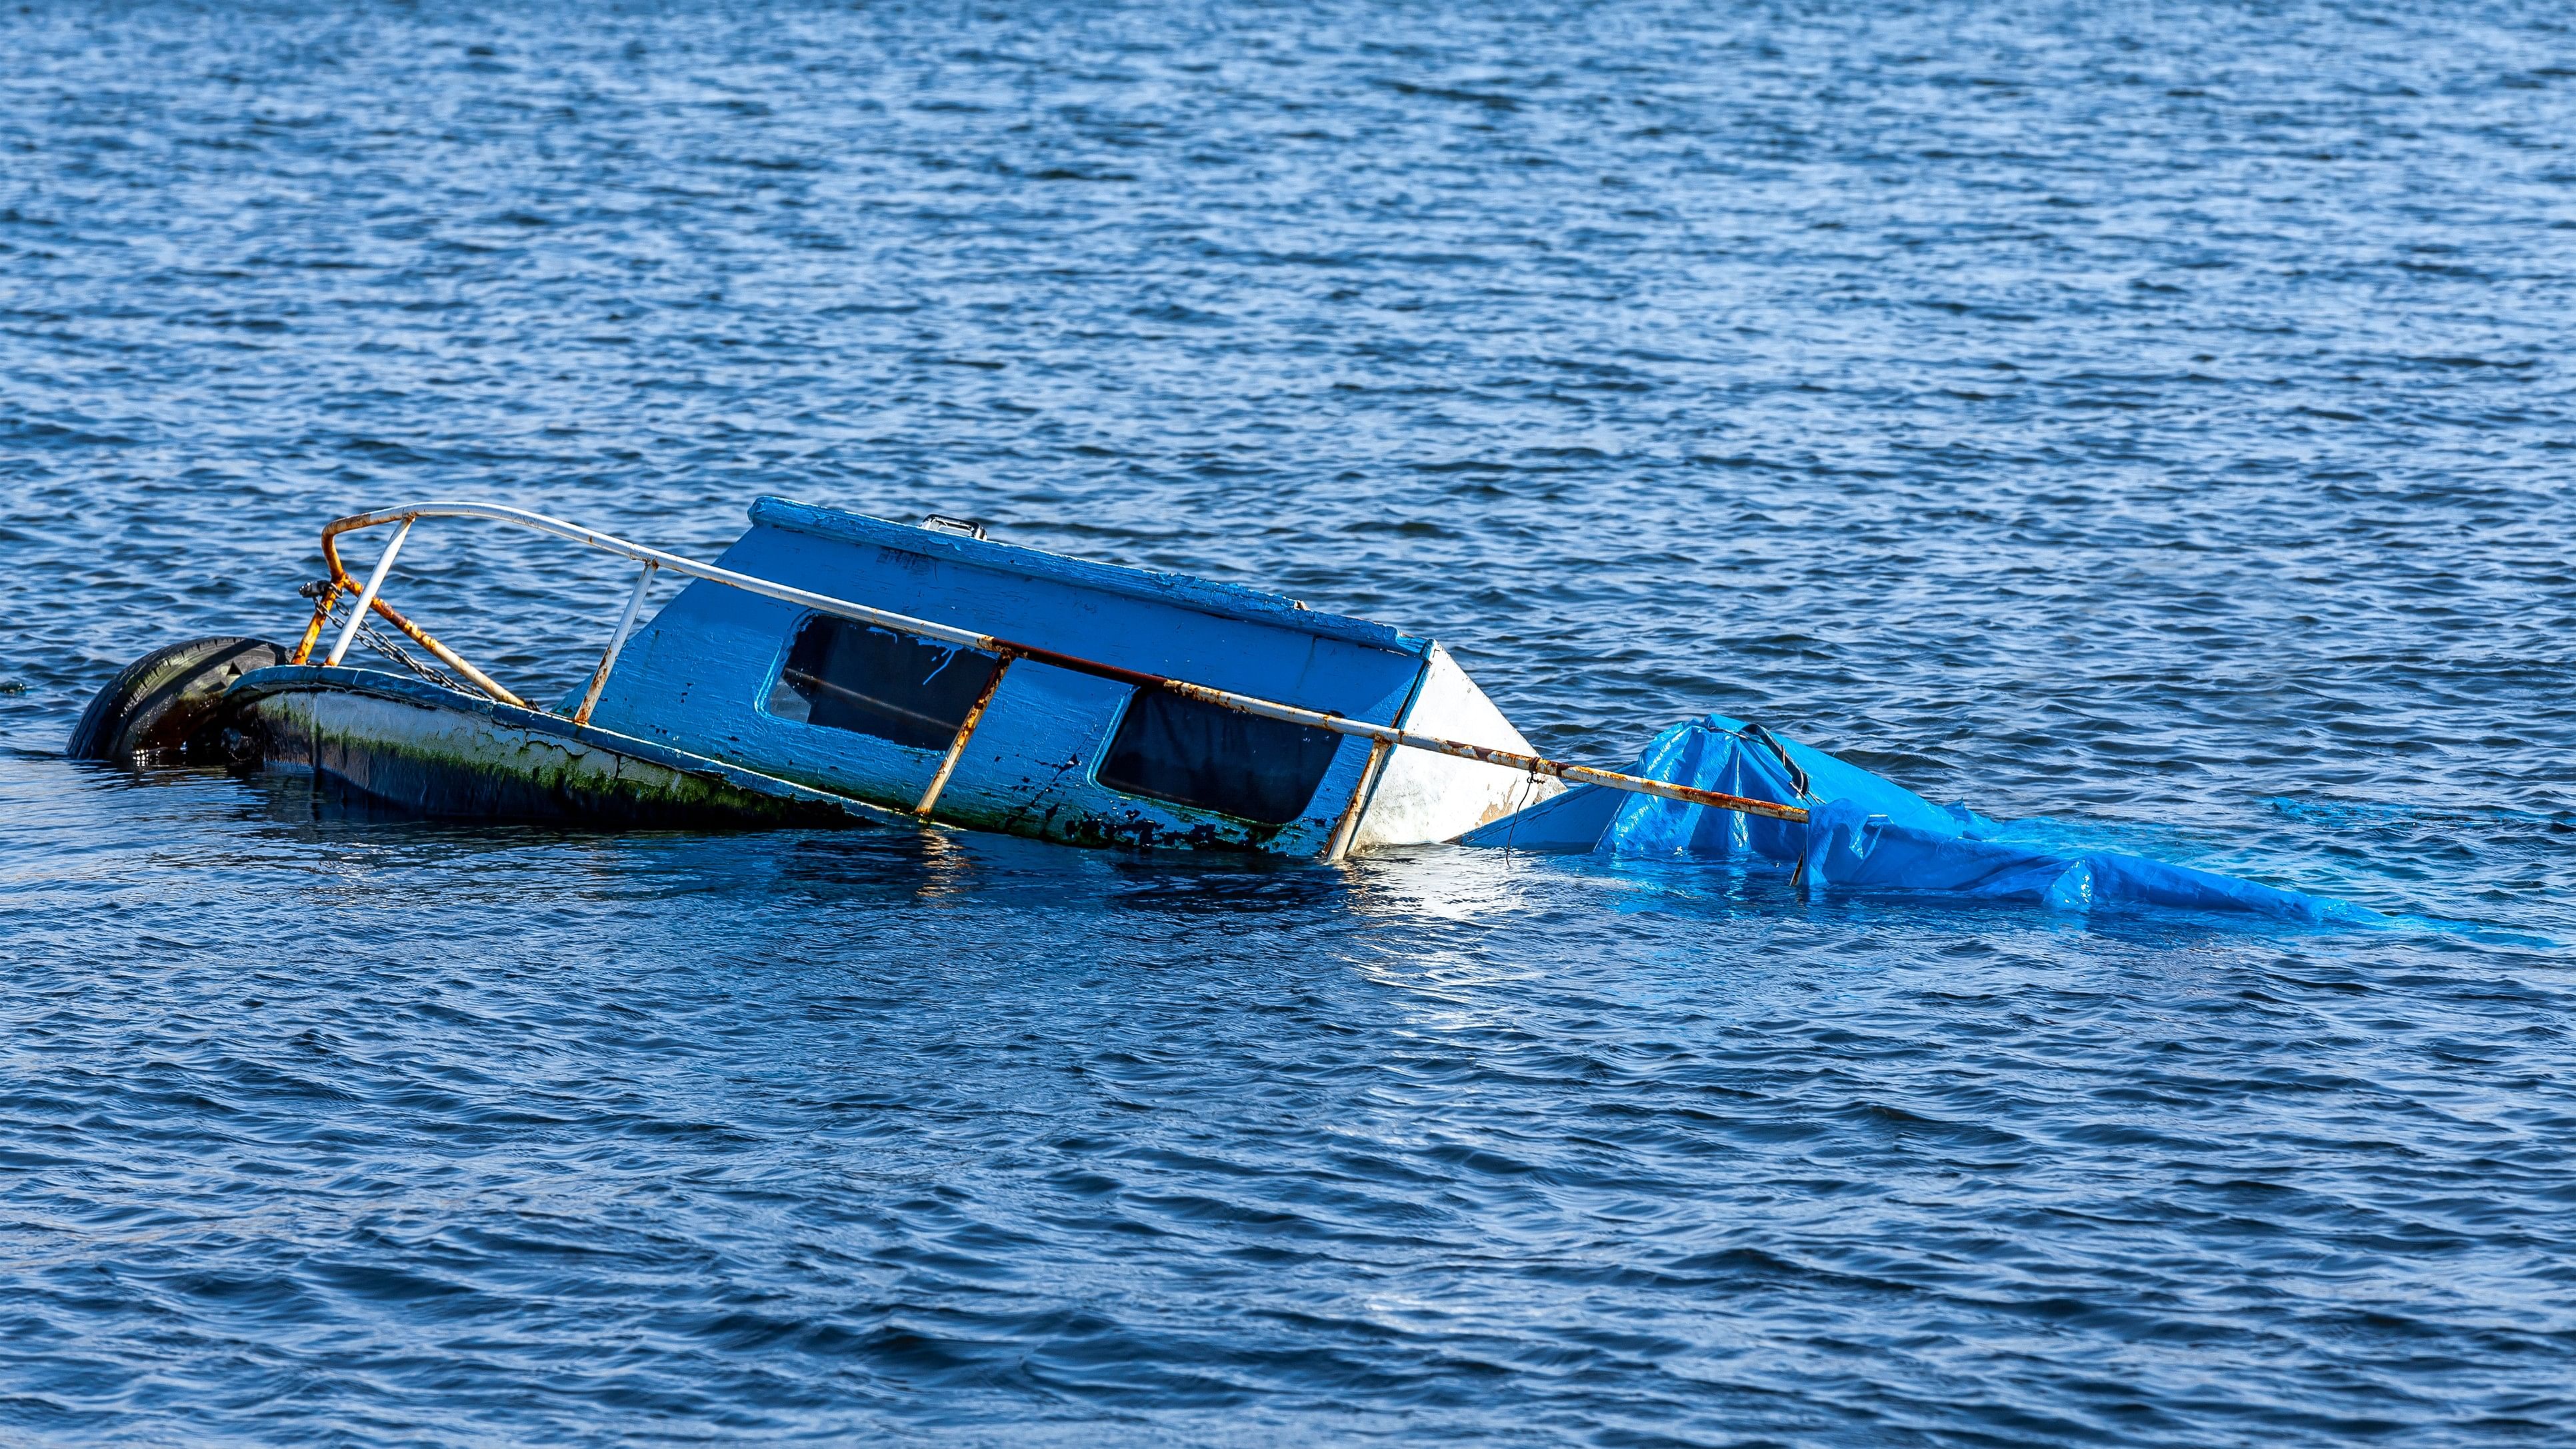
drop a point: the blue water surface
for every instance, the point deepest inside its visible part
(2154, 419)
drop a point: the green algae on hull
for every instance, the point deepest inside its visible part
(420, 748)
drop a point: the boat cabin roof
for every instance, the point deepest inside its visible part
(868, 712)
(1203, 596)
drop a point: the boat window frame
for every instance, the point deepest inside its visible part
(774, 678)
(1126, 710)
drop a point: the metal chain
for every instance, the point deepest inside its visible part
(383, 643)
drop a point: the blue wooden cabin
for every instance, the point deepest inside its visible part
(861, 711)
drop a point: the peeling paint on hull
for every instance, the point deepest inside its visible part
(416, 747)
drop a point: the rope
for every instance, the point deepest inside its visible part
(1512, 829)
(1756, 734)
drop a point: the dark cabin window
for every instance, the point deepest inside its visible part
(1190, 753)
(845, 675)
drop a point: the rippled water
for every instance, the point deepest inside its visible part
(2159, 422)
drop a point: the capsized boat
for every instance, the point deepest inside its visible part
(835, 669)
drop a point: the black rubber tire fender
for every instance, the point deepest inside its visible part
(156, 705)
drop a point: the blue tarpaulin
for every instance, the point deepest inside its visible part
(1863, 830)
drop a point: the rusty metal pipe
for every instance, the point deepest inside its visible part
(450, 657)
(1349, 825)
(965, 732)
(968, 638)
(313, 631)
(1509, 759)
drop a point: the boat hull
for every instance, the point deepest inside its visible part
(415, 747)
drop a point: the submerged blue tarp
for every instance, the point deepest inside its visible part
(1862, 830)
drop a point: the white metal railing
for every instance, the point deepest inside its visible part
(1384, 737)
